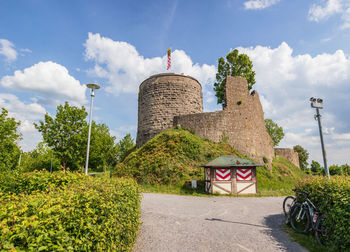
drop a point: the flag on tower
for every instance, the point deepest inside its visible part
(169, 58)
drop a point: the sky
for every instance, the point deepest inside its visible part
(49, 50)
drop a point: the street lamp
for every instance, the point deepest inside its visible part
(93, 87)
(317, 103)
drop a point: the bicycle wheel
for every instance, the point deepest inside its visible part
(300, 218)
(323, 233)
(287, 204)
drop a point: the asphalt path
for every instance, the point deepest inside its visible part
(187, 223)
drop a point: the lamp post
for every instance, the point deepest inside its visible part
(317, 103)
(93, 87)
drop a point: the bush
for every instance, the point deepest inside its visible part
(73, 212)
(16, 182)
(332, 197)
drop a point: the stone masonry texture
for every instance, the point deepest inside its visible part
(241, 122)
(163, 96)
(289, 154)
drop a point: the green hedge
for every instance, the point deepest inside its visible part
(63, 212)
(332, 197)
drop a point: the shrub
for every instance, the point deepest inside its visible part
(84, 214)
(332, 197)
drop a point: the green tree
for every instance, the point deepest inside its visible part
(39, 159)
(103, 151)
(236, 64)
(346, 169)
(336, 170)
(276, 132)
(125, 146)
(316, 167)
(9, 150)
(303, 156)
(64, 134)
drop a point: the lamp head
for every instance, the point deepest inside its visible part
(316, 102)
(93, 86)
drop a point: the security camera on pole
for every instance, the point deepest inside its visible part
(317, 103)
(93, 87)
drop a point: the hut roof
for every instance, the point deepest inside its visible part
(230, 161)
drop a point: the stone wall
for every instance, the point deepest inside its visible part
(241, 122)
(289, 154)
(163, 96)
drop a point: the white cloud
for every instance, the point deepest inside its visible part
(27, 113)
(318, 12)
(121, 132)
(259, 4)
(125, 69)
(285, 82)
(50, 81)
(325, 9)
(6, 49)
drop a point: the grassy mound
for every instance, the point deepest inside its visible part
(280, 180)
(173, 157)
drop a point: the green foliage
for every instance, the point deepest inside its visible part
(124, 147)
(265, 159)
(280, 180)
(346, 169)
(103, 151)
(39, 159)
(336, 170)
(316, 167)
(64, 134)
(9, 150)
(236, 64)
(69, 212)
(303, 156)
(332, 197)
(276, 132)
(172, 157)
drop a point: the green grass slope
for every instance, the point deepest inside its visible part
(173, 157)
(280, 180)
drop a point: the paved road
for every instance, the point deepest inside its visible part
(186, 223)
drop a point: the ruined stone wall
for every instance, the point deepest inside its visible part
(241, 121)
(163, 96)
(289, 154)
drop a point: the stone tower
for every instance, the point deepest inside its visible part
(163, 96)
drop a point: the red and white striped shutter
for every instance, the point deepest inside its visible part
(244, 174)
(223, 174)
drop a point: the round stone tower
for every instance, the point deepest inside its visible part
(163, 96)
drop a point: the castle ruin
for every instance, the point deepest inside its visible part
(168, 100)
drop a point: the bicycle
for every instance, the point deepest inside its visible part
(305, 217)
(288, 203)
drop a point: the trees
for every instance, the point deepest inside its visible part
(336, 170)
(64, 134)
(236, 64)
(39, 159)
(303, 156)
(316, 167)
(276, 132)
(125, 146)
(103, 151)
(9, 150)
(346, 169)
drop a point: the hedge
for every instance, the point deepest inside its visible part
(84, 214)
(332, 197)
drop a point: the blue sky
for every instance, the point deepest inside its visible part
(299, 48)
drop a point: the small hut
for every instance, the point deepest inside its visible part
(231, 175)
